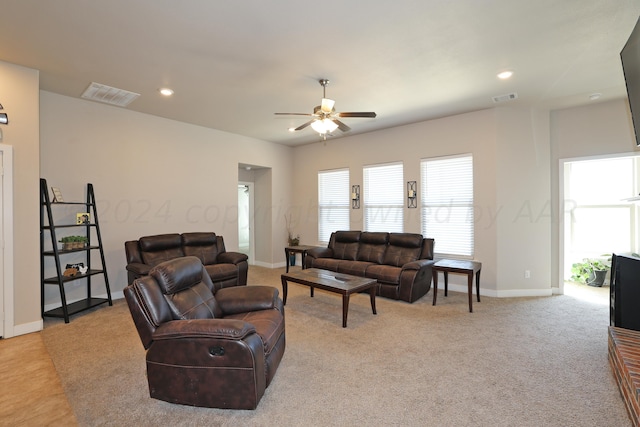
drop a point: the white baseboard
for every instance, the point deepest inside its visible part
(267, 265)
(507, 293)
(27, 328)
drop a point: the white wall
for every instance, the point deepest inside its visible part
(153, 175)
(523, 199)
(19, 95)
(467, 133)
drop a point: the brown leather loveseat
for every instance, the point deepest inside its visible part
(225, 268)
(206, 347)
(401, 262)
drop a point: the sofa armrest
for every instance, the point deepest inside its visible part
(231, 258)
(417, 265)
(242, 299)
(320, 252)
(232, 329)
(139, 269)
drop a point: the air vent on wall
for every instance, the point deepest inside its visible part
(507, 97)
(109, 95)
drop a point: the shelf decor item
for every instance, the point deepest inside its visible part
(57, 195)
(83, 218)
(73, 242)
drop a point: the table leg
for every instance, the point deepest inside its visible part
(435, 287)
(345, 309)
(311, 291)
(284, 290)
(470, 286)
(286, 257)
(372, 293)
(446, 283)
(303, 256)
(478, 285)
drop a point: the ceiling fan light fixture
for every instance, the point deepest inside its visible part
(324, 126)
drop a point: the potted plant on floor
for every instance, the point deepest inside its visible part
(591, 271)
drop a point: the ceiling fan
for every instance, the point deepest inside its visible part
(325, 119)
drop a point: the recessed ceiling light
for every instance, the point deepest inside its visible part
(292, 129)
(166, 91)
(505, 75)
(595, 96)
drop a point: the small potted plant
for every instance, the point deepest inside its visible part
(73, 242)
(291, 239)
(591, 271)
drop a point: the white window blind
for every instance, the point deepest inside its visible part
(384, 198)
(333, 202)
(447, 204)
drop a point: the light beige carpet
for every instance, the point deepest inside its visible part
(513, 362)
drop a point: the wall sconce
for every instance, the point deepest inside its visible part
(412, 194)
(355, 197)
(4, 119)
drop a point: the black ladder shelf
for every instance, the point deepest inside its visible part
(47, 225)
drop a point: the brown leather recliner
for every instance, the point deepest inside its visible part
(206, 347)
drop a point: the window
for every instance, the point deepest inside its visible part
(384, 198)
(333, 202)
(447, 204)
(598, 220)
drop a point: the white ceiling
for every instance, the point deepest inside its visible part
(233, 64)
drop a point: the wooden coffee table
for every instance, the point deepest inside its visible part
(343, 284)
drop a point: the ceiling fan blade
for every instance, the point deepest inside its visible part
(341, 126)
(304, 125)
(327, 105)
(293, 114)
(369, 114)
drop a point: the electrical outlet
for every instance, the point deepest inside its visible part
(527, 274)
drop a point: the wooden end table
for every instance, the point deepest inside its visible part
(301, 249)
(457, 266)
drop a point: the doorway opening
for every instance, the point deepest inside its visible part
(246, 236)
(598, 219)
(6, 236)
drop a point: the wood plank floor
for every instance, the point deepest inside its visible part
(30, 391)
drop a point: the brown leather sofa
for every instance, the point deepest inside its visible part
(225, 268)
(401, 262)
(206, 347)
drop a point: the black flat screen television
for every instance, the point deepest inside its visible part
(630, 56)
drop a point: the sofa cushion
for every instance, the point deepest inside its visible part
(345, 244)
(355, 268)
(403, 248)
(201, 245)
(187, 288)
(326, 263)
(219, 272)
(269, 325)
(384, 273)
(160, 248)
(372, 246)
